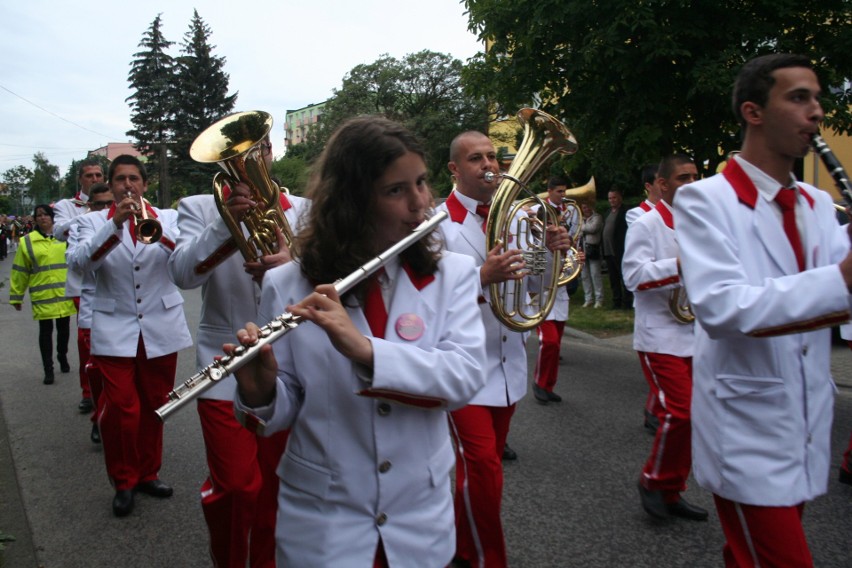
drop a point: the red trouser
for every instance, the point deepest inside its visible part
(547, 363)
(480, 434)
(83, 345)
(132, 435)
(668, 465)
(240, 497)
(847, 457)
(769, 537)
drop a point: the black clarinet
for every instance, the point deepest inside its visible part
(834, 167)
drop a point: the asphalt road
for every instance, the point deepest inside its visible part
(569, 500)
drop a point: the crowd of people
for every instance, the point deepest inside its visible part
(337, 444)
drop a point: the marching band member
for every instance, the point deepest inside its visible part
(138, 327)
(768, 271)
(652, 194)
(481, 427)
(664, 345)
(89, 173)
(364, 385)
(239, 497)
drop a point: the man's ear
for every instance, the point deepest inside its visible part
(752, 112)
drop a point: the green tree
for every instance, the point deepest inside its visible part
(17, 181)
(635, 80)
(204, 99)
(153, 102)
(44, 184)
(291, 172)
(423, 91)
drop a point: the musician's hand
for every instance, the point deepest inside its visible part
(264, 263)
(124, 209)
(502, 266)
(256, 379)
(581, 256)
(239, 201)
(558, 238)
(323, 307)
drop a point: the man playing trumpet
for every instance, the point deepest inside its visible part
(138, 327)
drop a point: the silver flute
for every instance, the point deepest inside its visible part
(271, 332)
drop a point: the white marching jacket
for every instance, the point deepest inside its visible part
(506, 361)
(205, 257)
(133, 294)
(358, 465)
(762, 388)
(649, 270)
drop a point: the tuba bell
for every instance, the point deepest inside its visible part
(234, 143)
(508, 223)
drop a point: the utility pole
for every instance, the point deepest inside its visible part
(165, 196)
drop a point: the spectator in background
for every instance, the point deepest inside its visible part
(592, 235)
(39, 266)
(614, 233)
(652, 193)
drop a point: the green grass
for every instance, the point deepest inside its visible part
(602, 322)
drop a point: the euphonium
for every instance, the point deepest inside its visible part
(147, 230)
(234, 143)
(679, 306)
(508, 225)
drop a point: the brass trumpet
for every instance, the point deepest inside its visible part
(148, 230)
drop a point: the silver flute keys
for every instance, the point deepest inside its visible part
(271, 332)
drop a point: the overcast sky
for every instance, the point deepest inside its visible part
(64, 65)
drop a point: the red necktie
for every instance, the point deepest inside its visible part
(374, 307)
(482, 211)
(786, 199)
(132, 228)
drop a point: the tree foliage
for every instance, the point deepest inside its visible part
(291, 172)
(154, 101)
(174, 99)
(636, 80)
(204, 99)
(44, 184)
(423, 91)
(17, 181)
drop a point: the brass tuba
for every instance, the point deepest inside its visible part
(234, 143)
(509, 224)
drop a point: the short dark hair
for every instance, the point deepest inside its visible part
(98, 188)
(649, 173)
(47, 209)
(556, 181)
(669, 163)
(755, 80)
(88, 162)
(127, 160)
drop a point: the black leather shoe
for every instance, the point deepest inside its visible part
(845, 477)
(509, 454)
(553, 397)
(122, 503)
(651, 423)
(652, 502)
(540, 394)
(155, 488)
(63, 364)
(86, 406)
(686, 510)
(95, 436)
(48, 377)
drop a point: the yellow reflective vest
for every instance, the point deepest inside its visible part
(40, 266)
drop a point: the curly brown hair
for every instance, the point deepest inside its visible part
(340, 231)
